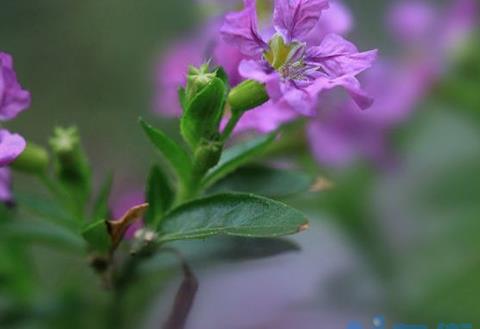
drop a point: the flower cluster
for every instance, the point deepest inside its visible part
(13, 100)
(302, 53)
(323, 60)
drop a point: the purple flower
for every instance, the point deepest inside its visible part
(13, 100)
(411, 20)
(11, 146)
(344, 135)
(433, 29)
(293, 71)
(209, 45)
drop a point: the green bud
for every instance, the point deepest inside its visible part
(34, 160)
(197, 79)
(71, 164)
(203, 104)
(207, 155)
(247, 95)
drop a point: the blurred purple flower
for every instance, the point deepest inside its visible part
(13, 100)
(172, 73)
(344, 135)
(411, 20)
(432, 29)
(293, 71)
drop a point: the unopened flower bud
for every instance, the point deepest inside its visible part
(207, 155)
(203, 105)
(197, 79)
(71, 162)
(34, 159)
(247, 95)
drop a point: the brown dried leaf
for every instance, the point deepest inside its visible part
(117, 228)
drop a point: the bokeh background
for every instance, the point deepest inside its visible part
(400, 241)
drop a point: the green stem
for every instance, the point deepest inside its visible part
(232, 123)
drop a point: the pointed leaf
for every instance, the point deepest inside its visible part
(100, 208)
(44, 233)
(266, 181)
(97, 237)
(176, 156)
(237, 156)
(244, 215)
(159, 195)
(182, 98)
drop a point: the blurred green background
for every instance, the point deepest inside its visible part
(403, 243)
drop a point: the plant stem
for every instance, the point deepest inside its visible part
(231, 125)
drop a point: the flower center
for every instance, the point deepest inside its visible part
(286, 59)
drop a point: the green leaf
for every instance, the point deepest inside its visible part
(37, 231)
(202, 116)
(97, 237)
(263, 180)
(237, 156)
(239, 248)
(222, 75)
(182, 98)
(47, 209)
(243, 215)
(160, 196)
(101, 208)
(180, 162)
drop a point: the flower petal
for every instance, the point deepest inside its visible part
(241, 30)
(265, 118)
(349, 83)
(261, 72)
(336, 19)
(301, 100)
(337, 57)
(11, 146)
(13, 98)
(294, 19)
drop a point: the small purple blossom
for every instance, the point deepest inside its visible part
(293, 71)
(11, 146)
(13, 100)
